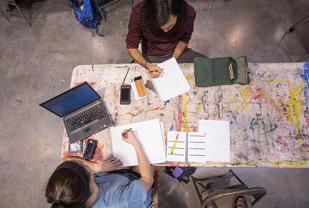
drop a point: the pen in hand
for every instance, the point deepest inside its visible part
(126, 131)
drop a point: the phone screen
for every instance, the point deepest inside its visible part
(89, 149)
(125, 94)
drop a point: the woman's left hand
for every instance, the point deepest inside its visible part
(109, 165)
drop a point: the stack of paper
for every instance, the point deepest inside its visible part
(150, 134)
(171, 82)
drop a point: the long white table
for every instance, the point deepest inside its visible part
(269, 117)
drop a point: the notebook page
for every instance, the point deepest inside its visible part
(171, 82)
(217, 140)
(196, 147)
(176, 147)
(150, 135)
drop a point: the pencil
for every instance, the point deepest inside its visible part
(174, 145)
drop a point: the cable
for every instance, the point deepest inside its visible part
(293, 28)
(125, 76)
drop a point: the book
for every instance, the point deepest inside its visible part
(210, 144)
(171, 82)
(150, 134)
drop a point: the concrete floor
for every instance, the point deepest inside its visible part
(36, 63)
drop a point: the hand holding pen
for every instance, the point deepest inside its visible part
(129, 137)
(153, 69)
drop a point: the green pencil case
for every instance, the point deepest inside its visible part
(216, 71)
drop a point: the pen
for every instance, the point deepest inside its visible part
(174, 145)
(127, 131)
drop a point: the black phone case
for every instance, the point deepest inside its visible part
(122, 88)
(90, 149)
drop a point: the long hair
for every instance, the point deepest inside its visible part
(157, 12)
(65, 189)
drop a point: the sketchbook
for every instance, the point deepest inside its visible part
(171, 82)
(150, 134)
(210, 144)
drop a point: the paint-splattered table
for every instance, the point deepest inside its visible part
(269, 117)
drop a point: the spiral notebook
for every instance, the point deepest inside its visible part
(172, 82)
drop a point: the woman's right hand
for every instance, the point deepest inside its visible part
(129, 137)
(153, 69)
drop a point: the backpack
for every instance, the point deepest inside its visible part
(87, 13)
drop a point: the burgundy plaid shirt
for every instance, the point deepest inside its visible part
(156, 42)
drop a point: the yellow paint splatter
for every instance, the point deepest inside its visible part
(236, 108)
(303, 163)
(198, 107)
(245, 94)
(217, 163)
(185, 112)
(279, 81)
(249, 163)
(189, 77)
(234, 100)
(209, 164)
(294, 105)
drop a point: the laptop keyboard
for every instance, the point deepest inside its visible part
(85, 117)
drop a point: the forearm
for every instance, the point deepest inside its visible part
(138, 57)
(181, 46)
(144, 166)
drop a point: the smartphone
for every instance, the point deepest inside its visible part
(90, 149)
(125, 94)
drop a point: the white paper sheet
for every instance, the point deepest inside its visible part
(217, 140)
(171, 82)
(197, 147)
(150, 134)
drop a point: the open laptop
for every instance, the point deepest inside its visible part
(83, 111)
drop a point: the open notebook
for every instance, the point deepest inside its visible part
(171, 82)
(150, 133)
(210, 144)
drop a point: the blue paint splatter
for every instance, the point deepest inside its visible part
(305, 77)
(171, 128)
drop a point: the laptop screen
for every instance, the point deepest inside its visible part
(71, 100)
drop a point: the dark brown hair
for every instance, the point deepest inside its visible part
(65, 189)
(157, 12)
